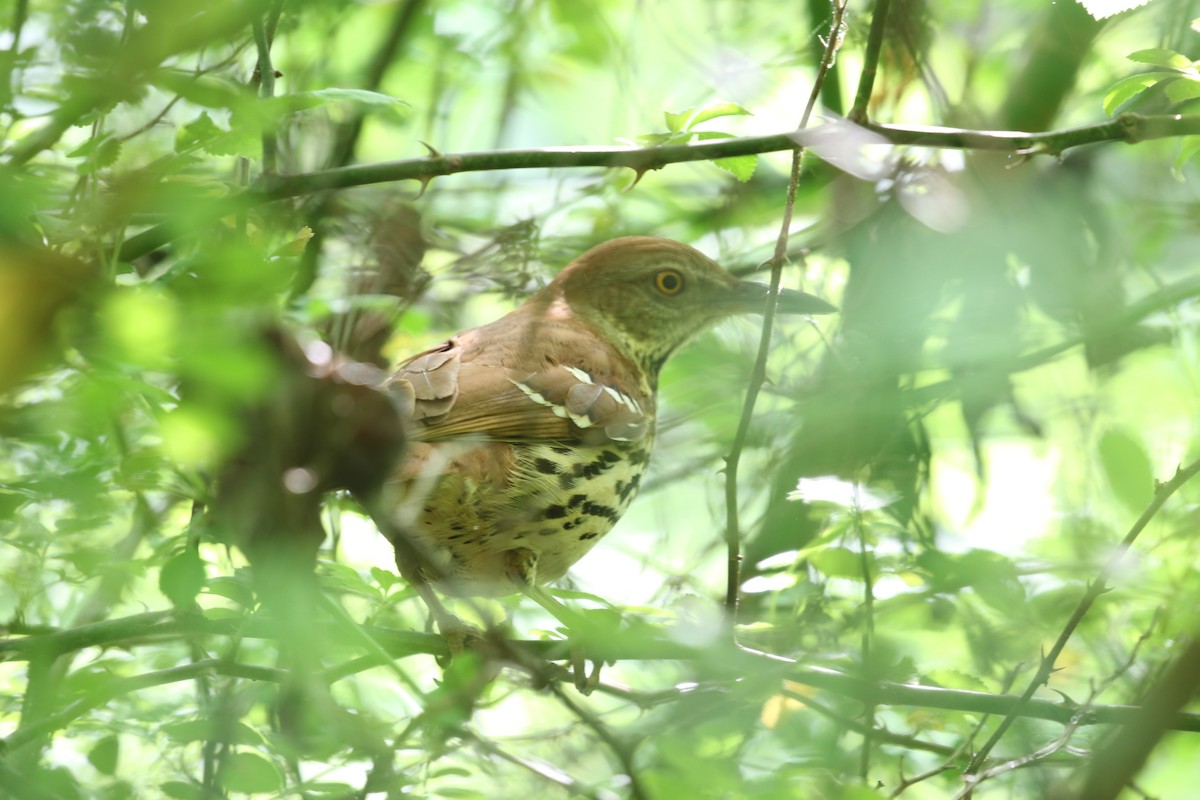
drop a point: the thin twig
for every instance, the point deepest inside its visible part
(1097, 588)
(264, 76)
(868, 633)
(547, 772)
(758, 375)
(621, 749)
(866, 81)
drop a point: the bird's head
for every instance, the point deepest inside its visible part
(650, 296)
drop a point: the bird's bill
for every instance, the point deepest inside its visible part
(751, 298)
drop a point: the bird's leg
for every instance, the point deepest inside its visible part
(415, 568)
(522, 569)
(456, 632)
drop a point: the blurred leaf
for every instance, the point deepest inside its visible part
(1189, 146)
(208, 91)
(203, 730)
(1182, 90)
(103, 755)
(182, 578)
(1159, 57)
(236, 589)
(1127, 468)
(179, 790)
(97, 153)
(689, 118)
(839, 562)
(384, 578)
(250, 773)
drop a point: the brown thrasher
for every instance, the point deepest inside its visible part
(529, 435)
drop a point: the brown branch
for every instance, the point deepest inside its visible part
(1130, 128)
(402, 644)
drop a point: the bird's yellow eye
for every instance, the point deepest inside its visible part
(669, 282)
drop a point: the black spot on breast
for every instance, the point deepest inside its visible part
(583, 537)
(597, 465)
(601, 510)
(639, 456)
(575, 500)
(572, 524)
(562, 451)
(548, 532)
(627, 491)
(554, 512)
(545, 466)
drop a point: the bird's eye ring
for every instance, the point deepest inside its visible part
(669, 282)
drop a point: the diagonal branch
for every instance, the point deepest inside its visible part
(1094, 590)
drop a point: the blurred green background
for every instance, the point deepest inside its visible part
(932, 480)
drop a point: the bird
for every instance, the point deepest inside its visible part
(529, 436)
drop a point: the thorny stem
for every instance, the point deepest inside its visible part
(1097, 588)
(759, 373)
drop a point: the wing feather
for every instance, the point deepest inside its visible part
(455, 397)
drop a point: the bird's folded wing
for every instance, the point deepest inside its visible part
(453, 399)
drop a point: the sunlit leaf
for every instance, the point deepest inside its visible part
(1127, 468)
(1102, 9)
(1182, 90)
(1127, 88)
(1159, 57)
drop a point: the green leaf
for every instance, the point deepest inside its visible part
(347, 579)
(103, 756)
(302, 101)
(1189, 146)
(197, 133)
(97, 153)
(250, 773)
(677, 119)
(235, 589)
(384, 578)
(1127, 88)
(208, 91)
(181, 790)
(839, 562)
(1160, 57)
(202, 730)
(741, 167)
(1127, 468)
(182, 578)
(1182, 90)
(689, 118)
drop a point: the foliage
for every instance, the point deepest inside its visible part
(973, 467)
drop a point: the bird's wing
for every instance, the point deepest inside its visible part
(452, 398)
